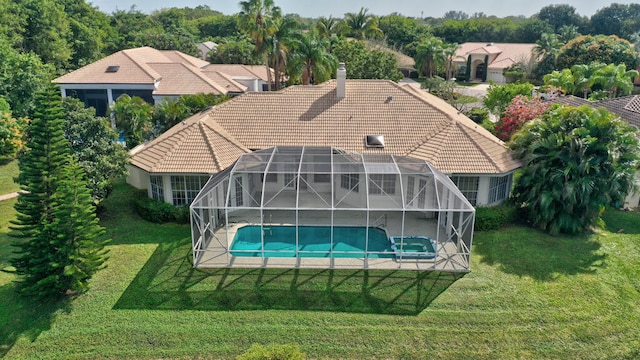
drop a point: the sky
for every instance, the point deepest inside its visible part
(337, 8)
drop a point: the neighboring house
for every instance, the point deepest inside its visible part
(254, 77)
(364, 116)
(152, 75)
(205, 47)
(628, 108)
(487, 61)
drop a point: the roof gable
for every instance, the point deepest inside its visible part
(189, 147)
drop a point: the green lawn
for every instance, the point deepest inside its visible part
(7, 173)
(529, 295)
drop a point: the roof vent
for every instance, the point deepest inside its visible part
(113, 68)
(389, 98)
(490, 44)
(374, 141)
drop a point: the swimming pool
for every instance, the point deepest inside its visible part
(413, 247)
(313, 241)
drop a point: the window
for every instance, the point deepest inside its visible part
(177, 189)
(382, 183)
(321, 178)
(271, 177)
(350, 182)
(185, 188)
(468, 185)
(498, 188)
(422, 194)
(289, 180)
(411, 183)
(239, 197)
(157, 188)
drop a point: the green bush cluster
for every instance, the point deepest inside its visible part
(477, 114)
(159, 211)
(495, 217)
(273, 352)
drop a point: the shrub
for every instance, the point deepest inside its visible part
(159, 211)
(523, 108)
(477, 114)
(181, 214)
(273, 352)
(495, 217)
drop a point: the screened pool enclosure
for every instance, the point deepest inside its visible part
(322, 207)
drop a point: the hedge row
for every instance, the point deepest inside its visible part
(495, 217)
(159, 211)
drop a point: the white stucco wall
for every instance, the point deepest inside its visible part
(137, 178)
(496, 76)
(633, 199)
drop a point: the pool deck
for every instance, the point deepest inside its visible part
(449, 257)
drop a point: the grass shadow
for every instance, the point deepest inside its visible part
(169, 282)
(25, 317)
(524, 251)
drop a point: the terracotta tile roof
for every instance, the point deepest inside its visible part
(413, 122)
(132, 69)
(171, 72)
(190, 147)
(180, 79)
(225, 80)
(508, 53)
(238, 70)
(180, 57)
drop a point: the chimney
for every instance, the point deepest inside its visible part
(341, 89)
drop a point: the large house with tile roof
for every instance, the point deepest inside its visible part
(483, 61)
(154, 75)
(363, 116)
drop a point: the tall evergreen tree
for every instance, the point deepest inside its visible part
(40, 167)
(78, 252)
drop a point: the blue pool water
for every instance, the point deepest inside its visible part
(313, 241)
(413, 247)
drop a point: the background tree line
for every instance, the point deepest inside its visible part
(41, 39)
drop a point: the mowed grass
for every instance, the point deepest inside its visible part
(529, 295)
(7, 172)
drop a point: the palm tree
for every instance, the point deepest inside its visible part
(567, 33)
(310, 60)
(547, 45)
(449, 51)
(567, 177)
(326, 27)
(429, 53)
(277, 46)
(361, 25)
(615, 79)
(583, 77)
(562, 79)
(546, 50)
(257, 19)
